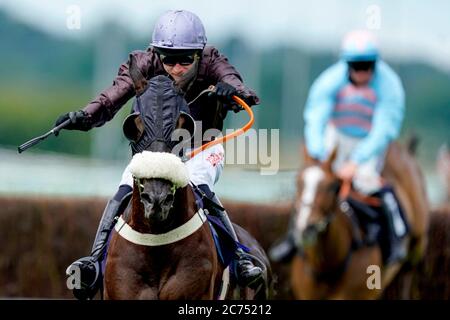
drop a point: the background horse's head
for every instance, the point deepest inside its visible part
(160, 111)
(317, 199)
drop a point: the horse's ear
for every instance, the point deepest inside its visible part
(307, 159)
(139, 81)
(184, 132)
(133, 127)
(185, 121)
(328, 164)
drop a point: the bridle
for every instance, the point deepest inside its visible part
(172, 236)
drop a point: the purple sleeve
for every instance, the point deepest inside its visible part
(109, 101)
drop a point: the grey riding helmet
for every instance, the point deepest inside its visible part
(179, 29)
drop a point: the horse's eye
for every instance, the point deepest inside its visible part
(169, 198)
(145, 197)
(334, 187)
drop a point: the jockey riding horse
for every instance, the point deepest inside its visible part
(178, 50)
(357, 106)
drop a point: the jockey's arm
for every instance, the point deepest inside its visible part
(387, 119)
(109, 101)
(319, 107)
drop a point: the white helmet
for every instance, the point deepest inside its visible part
(359, 45)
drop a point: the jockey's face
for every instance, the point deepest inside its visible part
(177, 62)
(177, 71)
(361, 72)
(361, 78)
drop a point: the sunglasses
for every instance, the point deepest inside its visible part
(362, 65)
(172, 60)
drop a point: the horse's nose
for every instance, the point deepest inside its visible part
(145, 197)
(151, 199)
(310, 234)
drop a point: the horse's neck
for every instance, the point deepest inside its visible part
(183, 209)
(184, 206)
(333, 247)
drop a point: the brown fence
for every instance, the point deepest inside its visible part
(430, 279)
(41, 236)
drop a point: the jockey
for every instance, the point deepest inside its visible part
(356, 105)
(178, 50)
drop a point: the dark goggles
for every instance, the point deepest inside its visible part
(172, 60)
(361, 65)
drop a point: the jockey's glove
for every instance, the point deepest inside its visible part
(225, 92)
(79, 120)
(233, 106)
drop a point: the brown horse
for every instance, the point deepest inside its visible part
(443, 170)
(164, 247)
(173, 264)
(331, 266)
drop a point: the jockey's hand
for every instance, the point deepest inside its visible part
(347, 171)
(225, 92)
(234, 107)
(79, 120)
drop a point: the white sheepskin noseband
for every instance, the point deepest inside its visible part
(161, 165)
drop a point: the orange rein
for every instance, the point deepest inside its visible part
(232, 135)
(346, 191)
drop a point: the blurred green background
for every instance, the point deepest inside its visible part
(48, 68)
(44, 74)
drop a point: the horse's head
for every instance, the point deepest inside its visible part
(317, 199)
(157, 196)
(161, 113)
(157, 176)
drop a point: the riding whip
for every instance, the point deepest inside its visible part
(36, 140)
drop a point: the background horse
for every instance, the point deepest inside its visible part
(443, 170)
(164, 248)
(330, 265)
(188, 268)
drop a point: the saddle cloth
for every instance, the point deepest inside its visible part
(374, 223)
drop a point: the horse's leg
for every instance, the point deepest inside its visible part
(105, 294)
(419, 228)
(406, 289)
(389, 273)
(302, 288)
(147, 293)
(303, 284)
(359, 275)
(122, 283)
